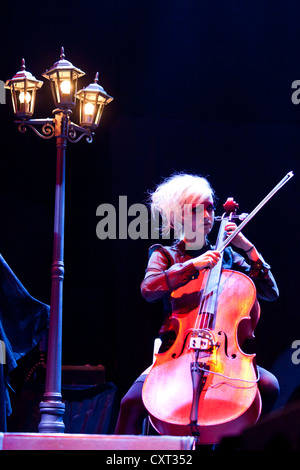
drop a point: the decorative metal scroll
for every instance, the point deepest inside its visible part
(48, 128)
(75, 132)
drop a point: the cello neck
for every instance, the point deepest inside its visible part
(210, 291)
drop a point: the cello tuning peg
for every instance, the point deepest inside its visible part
(240, 217)
(230, 205)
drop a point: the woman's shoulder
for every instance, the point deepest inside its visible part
(172, 252)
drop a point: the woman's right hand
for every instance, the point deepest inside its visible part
(207, 260)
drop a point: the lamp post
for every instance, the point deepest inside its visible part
(63, 78)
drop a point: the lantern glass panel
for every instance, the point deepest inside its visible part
(89, 110)
(64, 87)
(88, 113)
(23, 97)
(99, 113)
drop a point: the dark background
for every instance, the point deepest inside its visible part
(198, 86)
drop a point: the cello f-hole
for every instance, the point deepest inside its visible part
(230, 356)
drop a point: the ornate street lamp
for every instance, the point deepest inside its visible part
(63, 77)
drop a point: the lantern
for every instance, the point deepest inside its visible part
(63, 77)
(93, 98)
(23, 87)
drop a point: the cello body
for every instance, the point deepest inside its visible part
(225, 398)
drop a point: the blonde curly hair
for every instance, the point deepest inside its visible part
(169, 199)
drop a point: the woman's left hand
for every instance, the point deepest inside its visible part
(240, 241)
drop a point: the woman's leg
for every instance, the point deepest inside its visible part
(132, 411)
(269, 389)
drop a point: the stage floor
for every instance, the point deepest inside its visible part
(39, 441)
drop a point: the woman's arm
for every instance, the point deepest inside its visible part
(256, 268)
(162, 278)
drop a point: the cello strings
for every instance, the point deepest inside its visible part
(231, 378)
(208, 297)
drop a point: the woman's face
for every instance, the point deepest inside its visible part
(200, 219)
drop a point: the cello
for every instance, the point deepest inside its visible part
(205, 385)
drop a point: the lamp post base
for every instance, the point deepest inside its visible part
(52, 417)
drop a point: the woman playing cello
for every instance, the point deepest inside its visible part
(178, 200)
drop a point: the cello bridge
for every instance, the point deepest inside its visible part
(202, 340)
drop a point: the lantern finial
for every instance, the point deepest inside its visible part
(23, 66)
(62, 53)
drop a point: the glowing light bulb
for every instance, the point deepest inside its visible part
(65, 87)
(89, 109)
(24, 97)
